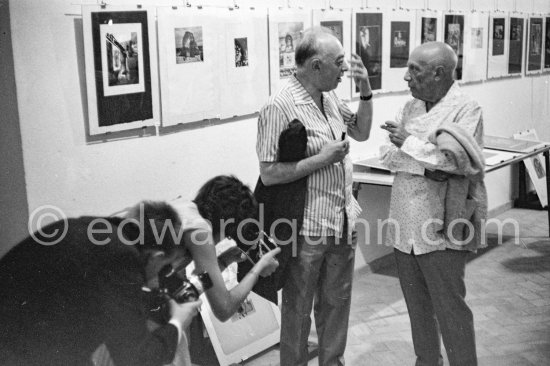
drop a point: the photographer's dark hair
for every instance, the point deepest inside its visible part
(223, 198)
(156, 216)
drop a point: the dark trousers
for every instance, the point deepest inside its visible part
(434, 290)
(321, 274)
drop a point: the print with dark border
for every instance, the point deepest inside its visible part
(399, 55)
(454, 19)
(372, 56)
(546, 63)
(534, 59)
(515, 56)
(123, 108)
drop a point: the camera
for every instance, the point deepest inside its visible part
(180, 288)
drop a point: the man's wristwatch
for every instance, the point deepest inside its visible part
(366, 97)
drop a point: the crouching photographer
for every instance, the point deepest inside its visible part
(60, 302)
(219, 211)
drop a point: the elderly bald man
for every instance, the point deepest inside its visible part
(322, 268)
(431, 262)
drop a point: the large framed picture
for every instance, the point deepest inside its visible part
(475, 45)
(429, 26)
(188, 58)
(254, 328)
(535, 167)
(286, 28)
(121, 68)
(546, 57)
(454, 37)
(400, 35)
(517, 45)
(534, 45)
(339, 22)
(244, 67)
(498, 47)
(367, 29)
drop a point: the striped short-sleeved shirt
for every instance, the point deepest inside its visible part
(329, 189)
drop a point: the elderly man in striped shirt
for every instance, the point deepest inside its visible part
(322, 268)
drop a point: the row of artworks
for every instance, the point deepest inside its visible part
(188, 65)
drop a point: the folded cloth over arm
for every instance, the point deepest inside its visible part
(282, 202)
(466, 197)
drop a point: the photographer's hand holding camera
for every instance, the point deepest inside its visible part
(221, 205)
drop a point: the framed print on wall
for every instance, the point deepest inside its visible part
(546, 55)
(286, 28)
(429, 26)
(188, 59)
(454, 36)
(498, 48)
(244, 67)
(121, 68)
(534, 45)
(400, 36)
(475, 46)
(339, 21)
(516, 39)
(367, 38)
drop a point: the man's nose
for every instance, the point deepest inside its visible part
(407, 76)
(345, 66)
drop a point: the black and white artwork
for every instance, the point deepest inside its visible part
(189, 55)
(476, 47)
(498, 36)
(254, 328)
(241, 52)
(428, 29)
(243, 80)
(189, 45)
(368, 45)
(339, 23)
(454, 37)
(400, 44)
(289, 34)
(477, 38)
(245, 309)
(120, 56)
(515, 56)
(546, 63)
(286, 27)
(120, 72)
(534, 51)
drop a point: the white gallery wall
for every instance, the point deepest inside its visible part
(63, 169)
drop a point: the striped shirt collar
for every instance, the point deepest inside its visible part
(300, 94)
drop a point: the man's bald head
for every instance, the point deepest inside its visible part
(436, 54)
(313, 43)
(430, 71)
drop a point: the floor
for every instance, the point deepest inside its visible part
(508, 288)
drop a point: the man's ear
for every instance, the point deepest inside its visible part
(315, 64)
